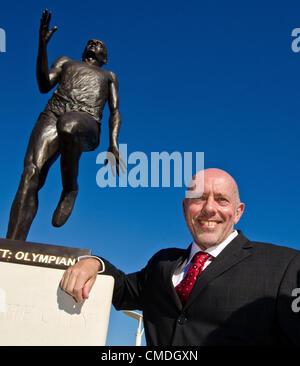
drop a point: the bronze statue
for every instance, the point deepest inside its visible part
(69, 125)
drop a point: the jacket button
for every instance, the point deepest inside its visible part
(182, 319)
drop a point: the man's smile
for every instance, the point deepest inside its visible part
(207, 224)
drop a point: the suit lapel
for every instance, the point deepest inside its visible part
(235, 252)
(168, 272)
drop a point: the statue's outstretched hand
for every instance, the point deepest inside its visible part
(45, 33)
(114, 156)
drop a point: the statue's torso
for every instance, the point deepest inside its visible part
(82, 87)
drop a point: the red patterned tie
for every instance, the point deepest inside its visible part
(184, 288)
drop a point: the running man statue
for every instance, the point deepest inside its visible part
(69, 125)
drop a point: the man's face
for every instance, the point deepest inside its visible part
(211, 217)
(95, 52)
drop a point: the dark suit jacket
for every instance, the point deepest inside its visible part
(244, 297)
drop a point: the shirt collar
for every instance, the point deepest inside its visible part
(215, 250)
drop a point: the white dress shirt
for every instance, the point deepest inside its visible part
(214, 251)
(93, 256)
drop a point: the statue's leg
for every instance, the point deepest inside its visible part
(42, 151)
(77, 132)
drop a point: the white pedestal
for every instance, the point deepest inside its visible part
(34, 311)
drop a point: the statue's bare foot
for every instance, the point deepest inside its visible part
(64, 208)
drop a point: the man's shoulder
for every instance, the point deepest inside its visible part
(169, 254)
(265, 246)
(271, 251)
(273, 247)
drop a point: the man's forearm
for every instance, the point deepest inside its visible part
(127, 287)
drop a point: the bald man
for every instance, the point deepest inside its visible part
(222, 290)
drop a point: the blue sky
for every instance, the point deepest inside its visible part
(214, 77)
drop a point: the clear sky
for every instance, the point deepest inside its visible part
(195, 76)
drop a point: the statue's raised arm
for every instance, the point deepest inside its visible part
(42, 71)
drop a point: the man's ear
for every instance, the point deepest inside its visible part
(239, 212)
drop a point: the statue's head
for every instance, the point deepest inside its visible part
(95, 52)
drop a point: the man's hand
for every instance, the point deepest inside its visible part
(114, 156)
(78, 280)
(45, 33)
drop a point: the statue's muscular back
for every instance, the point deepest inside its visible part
(82, 87)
